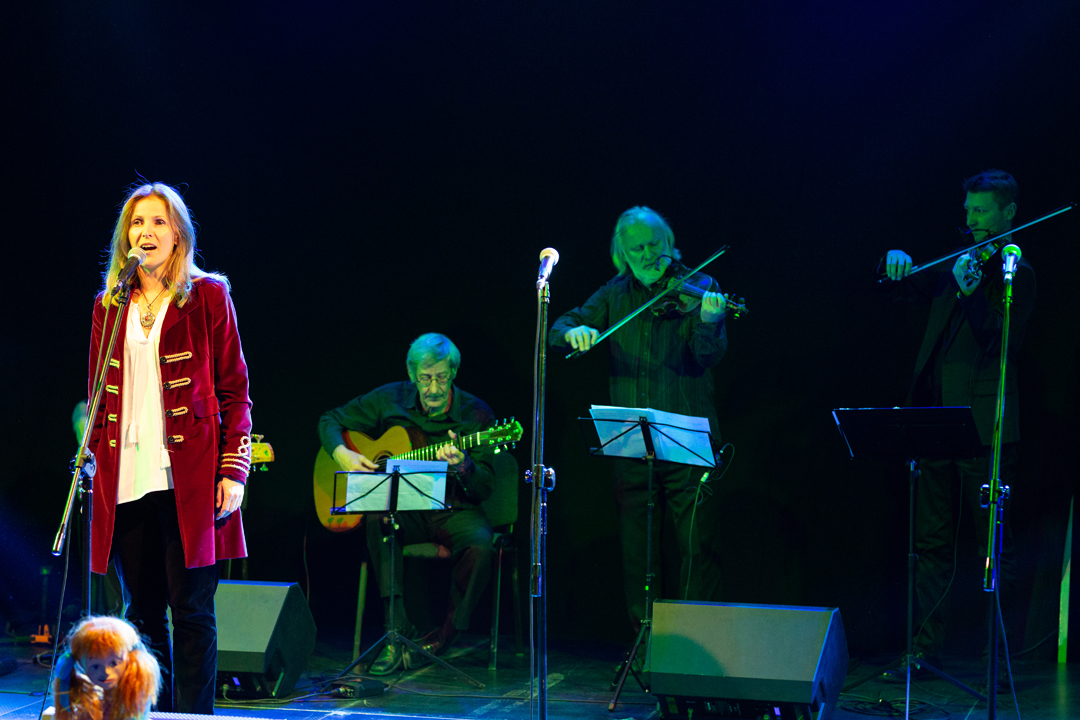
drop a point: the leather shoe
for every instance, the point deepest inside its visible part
(1002, 684)
(391, 658)
(438, 640)
(918, 670)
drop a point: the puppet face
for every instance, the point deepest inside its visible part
(105, 671)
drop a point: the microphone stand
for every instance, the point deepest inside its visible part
(995, 495)
(84, 466)
(543, 480)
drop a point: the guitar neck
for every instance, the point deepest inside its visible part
(429, 452)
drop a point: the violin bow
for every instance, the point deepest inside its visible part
(646, 306)
(919, 268)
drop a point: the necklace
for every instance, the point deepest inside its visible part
(147, 319)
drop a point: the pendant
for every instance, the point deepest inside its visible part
(147, 320)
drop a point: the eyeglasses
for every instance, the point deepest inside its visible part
(440, 379)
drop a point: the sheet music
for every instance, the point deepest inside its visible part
(422, 487)
(677, 438)
(366, 492)
(429, 479)
(679, 433)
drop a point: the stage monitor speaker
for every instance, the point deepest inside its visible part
(265, 636)
(752, 661)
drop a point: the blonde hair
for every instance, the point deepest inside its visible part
(640, 215)
(139, 684)
(180, 270)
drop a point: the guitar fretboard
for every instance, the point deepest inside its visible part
(465, 442)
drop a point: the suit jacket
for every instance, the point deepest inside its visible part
(967, 330)
(207, 422)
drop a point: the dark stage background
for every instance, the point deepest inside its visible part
(367, 172)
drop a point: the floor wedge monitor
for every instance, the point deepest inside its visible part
(265, 636)
(752, 661)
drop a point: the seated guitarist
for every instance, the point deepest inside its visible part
(431, 403)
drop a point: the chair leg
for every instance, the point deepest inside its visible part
(519, 647)
(493, 648)
(361, 597)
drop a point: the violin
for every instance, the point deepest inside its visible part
(681, 287)
(980, 254)
(686, 292)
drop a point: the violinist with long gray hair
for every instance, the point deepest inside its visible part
(662, 361)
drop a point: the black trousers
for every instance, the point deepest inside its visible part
(675, 487)
(465, 531)
(149, 558)
(939, 482)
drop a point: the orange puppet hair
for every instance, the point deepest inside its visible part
(139, 684)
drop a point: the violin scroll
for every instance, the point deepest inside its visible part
(737, 309)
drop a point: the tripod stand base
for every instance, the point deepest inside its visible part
(910, 661)
(395, 637)
(627, 667)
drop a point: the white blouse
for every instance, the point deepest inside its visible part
(144, 456)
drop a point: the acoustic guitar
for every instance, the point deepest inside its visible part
(397, 443)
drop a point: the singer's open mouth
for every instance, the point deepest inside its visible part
(147, 247)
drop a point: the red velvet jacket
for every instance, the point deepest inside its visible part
(207, 422)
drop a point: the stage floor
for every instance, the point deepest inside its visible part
(578, 682)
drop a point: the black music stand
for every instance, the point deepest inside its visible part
(367, 499)
(644, 438)
(910, 434)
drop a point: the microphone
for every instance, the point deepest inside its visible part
(1011, 254)
(549, 257)
(135, 258)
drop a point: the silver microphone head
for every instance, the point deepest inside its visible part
(550, 253)
(137, 253)
(1010, 254)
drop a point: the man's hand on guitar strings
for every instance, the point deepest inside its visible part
(352, 461)
(452, 455)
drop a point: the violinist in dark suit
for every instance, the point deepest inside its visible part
(959, 365)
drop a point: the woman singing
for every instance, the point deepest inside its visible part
(172, 441)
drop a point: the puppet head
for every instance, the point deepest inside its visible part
(106, 673)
